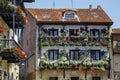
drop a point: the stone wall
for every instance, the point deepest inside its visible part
(29, 46)
(45, 74)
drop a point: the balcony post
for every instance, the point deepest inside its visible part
(14, 21)
(64, 71)
(86, 74)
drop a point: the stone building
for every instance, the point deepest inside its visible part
(67, 44)
(116, 52)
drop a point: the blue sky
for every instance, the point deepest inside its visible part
(111, 7)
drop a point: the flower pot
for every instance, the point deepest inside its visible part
(104, 43)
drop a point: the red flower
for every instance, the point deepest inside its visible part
(1, 30)
(58, 69)
(92, 69)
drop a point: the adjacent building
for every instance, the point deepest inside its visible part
(12, 19)
(116, 52)
(67, 44)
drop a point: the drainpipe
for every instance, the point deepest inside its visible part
(110, 71)
(36, 55)
(14, 21)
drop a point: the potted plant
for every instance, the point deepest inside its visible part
(52, 43)
(71, 43)
(7, 48)
(44, 43)
(104, 43)
(103, 30)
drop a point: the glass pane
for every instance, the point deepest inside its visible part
(97, 55)
(71, 55)
(70, 15)
(118, 43)
(76, 55)
(55, 55)
(55, 32)
(51, 55)
(50, 32)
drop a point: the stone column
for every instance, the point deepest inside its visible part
(4, 70)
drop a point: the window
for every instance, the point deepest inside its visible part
(69, 15)
(118, 43)
(95, 78)
(53, 78)
(73, 32)
(95, 54)
(53, 54)
(53, 32)
(96, 33)
(74, 54)
(74, 78)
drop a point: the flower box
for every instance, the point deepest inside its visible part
(104, 43)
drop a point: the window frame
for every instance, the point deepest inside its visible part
(74, 78)
(118, 43)
(52, 30)
(70, 15)
(93, 32)
(72, 30)
(74, 54)
(98, 78)
(94, 56)
(51, 78)
(53, 53)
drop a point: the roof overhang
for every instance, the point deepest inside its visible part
(28, 0)
(74, 23)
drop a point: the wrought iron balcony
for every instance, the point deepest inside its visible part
(13, 12)
(11, 51)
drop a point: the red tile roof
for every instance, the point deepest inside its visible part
(84, 15)
(116, 31)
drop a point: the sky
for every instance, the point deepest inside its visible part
(111, 7)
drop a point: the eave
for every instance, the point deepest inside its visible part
(74, 23)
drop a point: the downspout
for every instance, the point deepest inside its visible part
(14, 21)
(110, 47)
(112, 58)
(36, 54)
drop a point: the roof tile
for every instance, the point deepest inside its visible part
(84, 15)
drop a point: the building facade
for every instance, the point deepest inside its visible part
(116, 52)
(67, 44)
(12, 19)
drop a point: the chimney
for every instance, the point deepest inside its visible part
(90, 7)
(98, 7)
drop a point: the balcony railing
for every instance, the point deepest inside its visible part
(4, 3)
(11, 51)
(8, 7)
(72, 64)
(75, 41)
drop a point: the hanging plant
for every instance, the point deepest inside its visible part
(103, 30)
(45, 30)
(81, 29)
(45, 44)
(10, 5)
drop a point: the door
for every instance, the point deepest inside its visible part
(95, 78)
(74, 78)
(53, 78)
